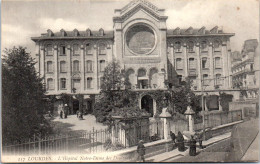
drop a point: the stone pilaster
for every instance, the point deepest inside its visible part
(82, 69)
(56, 69)
(96, 68)
(185, 67)
(198, 69)
(42, 62)
(211, 66)
(225, 65)
(69, 69)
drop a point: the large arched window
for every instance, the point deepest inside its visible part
(177, 46)
(49, 67)
(89, 66)
(190, 46)
(75, 66)
(216, 45)
(76, 49)
(204, 46)
(62, 50)
(102, 49)
(205, 63)
(49, 49)
(141, 72)
(50, 84)
(63, 67)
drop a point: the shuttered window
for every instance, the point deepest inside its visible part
(75, 66)
(102, 49)
(76, 49)
(63, 83)
(102, 64)
(218, 79)
(218, 62)
(62, 50)
(49, 50)
(89, 82)
(89, 66)
(205, 63)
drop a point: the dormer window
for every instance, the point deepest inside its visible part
(177, 31)
(50, 33)
(214, 30)
(189, 30)
(101, 32)
(88, 32)
(76, 32)
(202, 30)
(63, 32)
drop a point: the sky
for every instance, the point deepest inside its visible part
(23, 19)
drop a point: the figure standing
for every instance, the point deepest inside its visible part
(65, 111)
(192, 147)
(180, 140)
(141, 150)
(61, 114)
(173, 137)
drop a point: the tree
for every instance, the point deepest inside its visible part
(181, 95)
(23, 103)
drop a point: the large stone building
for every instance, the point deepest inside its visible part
(73, 62)
(245, 70)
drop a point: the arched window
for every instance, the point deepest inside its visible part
(218, 79)
(179, 64)
(216, 45)
(89, 82)
(141, 72)
(62, 50)
(49, 50)
(49, 67)
(177, 46)
(192, 63)
(89, 66)
(76, 49)
(218, 62)
(204, 46)
(50, 84)
(102, 49)
(88, 49)
(190, 46)
(75, 66)
(63, 67)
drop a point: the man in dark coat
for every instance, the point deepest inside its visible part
(141, 150)
(61, 113)
(66, 109)
(180, 142)
(173, 137)
(192, 147)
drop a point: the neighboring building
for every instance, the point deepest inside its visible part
(245, 71)
(73, 62)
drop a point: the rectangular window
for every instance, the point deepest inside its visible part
(49, 67)
(76, 66)
(62, 66)
(50, 84)
(192, 63)
(102, 49)
(63, 83)
(177, 46)
(89, 82)
(88, 49)
(205, 63)
(179, 64)
(205, 79)
(89, 66)
(217, 62)
(218, 79)
(102, 65)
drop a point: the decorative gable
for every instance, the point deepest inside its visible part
(75, 32)
(202, 30)
(88, 32)
(214, 30)
(189, 30)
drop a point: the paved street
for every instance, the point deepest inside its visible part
(72, 123)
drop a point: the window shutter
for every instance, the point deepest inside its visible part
(207, 63)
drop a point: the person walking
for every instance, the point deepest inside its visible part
(173, 137)
(65, 111)
(61, 114)
(141, 150)
(192, 151)
(180, 142)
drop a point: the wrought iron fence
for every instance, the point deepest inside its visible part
(221, 118)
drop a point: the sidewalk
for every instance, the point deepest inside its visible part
(175, 154)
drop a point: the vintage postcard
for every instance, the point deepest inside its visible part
(130, 81)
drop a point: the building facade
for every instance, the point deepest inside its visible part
(245, 71)
(152, 56)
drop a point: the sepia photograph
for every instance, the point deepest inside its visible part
(129, 81)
